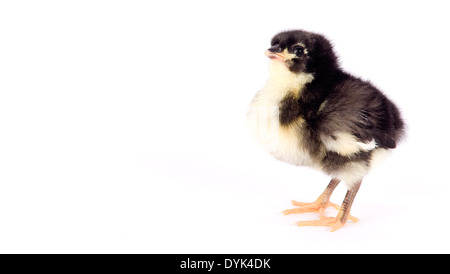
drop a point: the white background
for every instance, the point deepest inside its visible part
(122, 127)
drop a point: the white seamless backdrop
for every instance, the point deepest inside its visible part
(122, 127)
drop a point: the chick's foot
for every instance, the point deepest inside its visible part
(334, 222)
(319, 207)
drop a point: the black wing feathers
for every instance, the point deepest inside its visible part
(356, 107)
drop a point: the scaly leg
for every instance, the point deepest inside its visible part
(342, 216)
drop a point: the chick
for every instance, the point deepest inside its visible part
(312, 113)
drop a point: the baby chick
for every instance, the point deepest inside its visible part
(312, 113)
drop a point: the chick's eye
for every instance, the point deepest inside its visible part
(299, 51)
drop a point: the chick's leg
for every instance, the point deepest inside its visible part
(319, 205)
(343, 215)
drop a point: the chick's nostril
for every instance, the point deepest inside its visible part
(275, 49)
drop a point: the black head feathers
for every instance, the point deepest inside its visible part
(317, 56)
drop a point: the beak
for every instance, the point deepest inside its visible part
(281, 56)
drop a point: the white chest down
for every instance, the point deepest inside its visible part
(283, 142)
